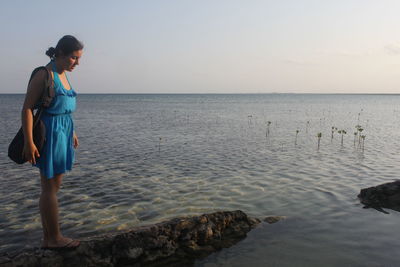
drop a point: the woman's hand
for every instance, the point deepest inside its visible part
(30, 152)
(76, 141)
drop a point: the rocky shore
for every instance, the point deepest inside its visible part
(382, 196)
(177, 242)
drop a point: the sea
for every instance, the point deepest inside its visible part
(147, 158)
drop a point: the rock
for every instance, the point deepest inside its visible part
(177, 242)
(382, 196)
(273, 219)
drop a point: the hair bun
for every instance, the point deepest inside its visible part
(65, 46)
(51, 52)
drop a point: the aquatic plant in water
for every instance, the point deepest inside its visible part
(319, 135)
(363, 139)
(249, 117)
(359, 129)
(333, 131)
(295, 140)
(342, 132)
(268, 124)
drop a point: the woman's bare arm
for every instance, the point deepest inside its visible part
(33, 94)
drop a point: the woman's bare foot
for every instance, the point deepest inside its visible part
(63, 242)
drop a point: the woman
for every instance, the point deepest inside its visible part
(57, 155)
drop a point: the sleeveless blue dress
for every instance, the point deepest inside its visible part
(57, 155)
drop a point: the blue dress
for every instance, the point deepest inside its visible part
(57, 155)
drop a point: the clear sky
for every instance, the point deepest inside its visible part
(209, 46)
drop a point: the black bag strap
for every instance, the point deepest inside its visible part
(48, 92)
(47, 95)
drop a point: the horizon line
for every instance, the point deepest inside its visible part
(259, 93)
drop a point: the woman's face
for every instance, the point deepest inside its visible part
(71, 60)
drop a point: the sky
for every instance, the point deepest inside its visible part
(208, 46)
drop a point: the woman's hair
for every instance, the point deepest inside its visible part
(65, 46)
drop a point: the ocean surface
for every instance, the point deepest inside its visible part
(147, 158)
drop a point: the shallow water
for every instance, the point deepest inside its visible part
(147, 158)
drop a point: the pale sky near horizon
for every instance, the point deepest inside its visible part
(209, 46)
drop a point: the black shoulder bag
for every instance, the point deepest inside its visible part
(39, 130)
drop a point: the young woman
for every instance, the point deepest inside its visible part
(57, 155)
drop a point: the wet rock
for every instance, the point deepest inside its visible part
(176, 242)
(273, 219)
(382, 196)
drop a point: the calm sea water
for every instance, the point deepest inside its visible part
(147, 158)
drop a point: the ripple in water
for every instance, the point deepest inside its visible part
(148, 158)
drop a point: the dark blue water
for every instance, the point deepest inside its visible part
(147, 158)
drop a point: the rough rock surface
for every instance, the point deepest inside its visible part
(382, 196)
(177, 242)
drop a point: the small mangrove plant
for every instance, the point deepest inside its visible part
(333, 131)
(268, 124)
(319, 135)
(295, 140)
(249, 117)
(359, 130)
(363, 139)
(342, 132)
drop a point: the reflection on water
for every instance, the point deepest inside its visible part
(147, 158)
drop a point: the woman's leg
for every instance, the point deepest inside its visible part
(48, 204)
